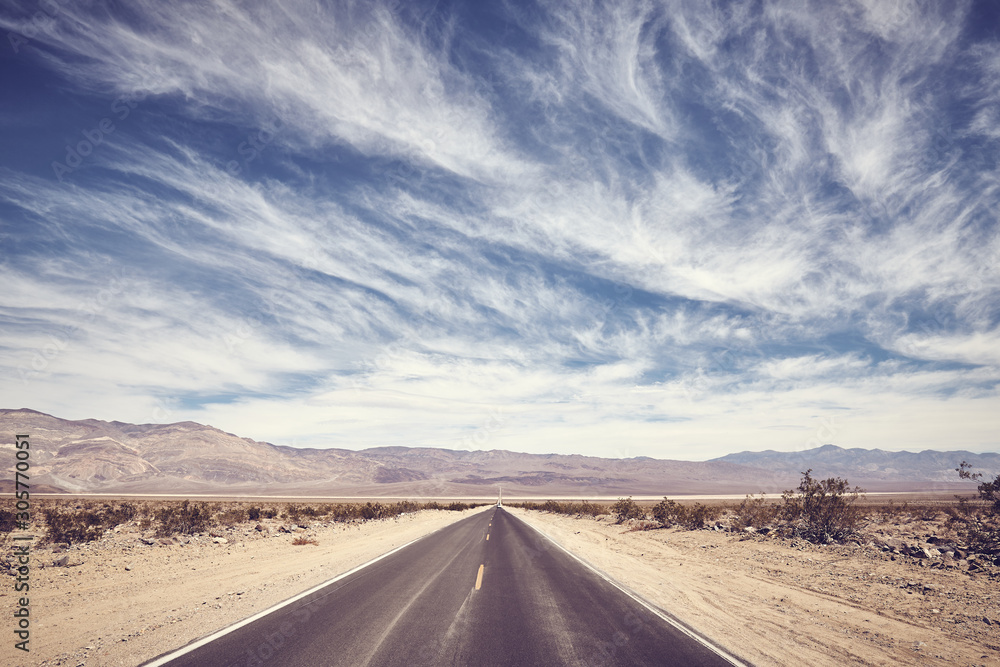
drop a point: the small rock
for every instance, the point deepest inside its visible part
(259, 528)
(61, 562)
(220, 540)
(987, 621)
(128, 567)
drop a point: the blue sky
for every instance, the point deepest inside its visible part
(672, 229)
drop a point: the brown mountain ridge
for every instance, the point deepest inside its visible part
(94, 456)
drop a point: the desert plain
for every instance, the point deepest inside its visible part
(130, 596)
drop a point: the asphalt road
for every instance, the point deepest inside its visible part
(487, 590)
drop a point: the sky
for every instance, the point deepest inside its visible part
(667, 229)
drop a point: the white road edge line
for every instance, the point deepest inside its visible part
(184, 650)
(648, 605)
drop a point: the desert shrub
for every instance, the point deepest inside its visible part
(754, 512)
(458, 507)
(231, 516)
(404, 506)
(821, 511)
(8, 521)
(115, 515)
(626, 509)
(253, 514)
(185, 519)
(888, 512)
(300, 540)
(584, 508)
(372, 511)
(591, 509)
(697, 516)
(925, 512)
(84, 523)
(670, 513)
(667, 512)
(72, 526)
(977, 522)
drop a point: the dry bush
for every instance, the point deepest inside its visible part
(754, 512)
(626, 509)
(300, 540)
(185, 519)
(977, 522)
(668, 512)
(822, 511)
(232, 516)
(584, 508)
(72, 526)
(8, 521)
(84, 522)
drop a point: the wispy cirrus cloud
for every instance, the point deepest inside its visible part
(705, 226)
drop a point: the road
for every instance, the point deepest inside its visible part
(486, 590)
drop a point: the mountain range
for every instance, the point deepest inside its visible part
(93, 456)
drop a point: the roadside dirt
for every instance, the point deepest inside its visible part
(774, 601)
(120, 601)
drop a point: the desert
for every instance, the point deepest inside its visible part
(895, 594)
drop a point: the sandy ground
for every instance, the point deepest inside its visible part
(122, 602)
(781, 602)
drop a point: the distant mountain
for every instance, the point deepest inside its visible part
(92, 456)
(868, 465)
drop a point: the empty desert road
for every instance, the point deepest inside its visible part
(487, 590)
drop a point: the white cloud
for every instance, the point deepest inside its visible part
(705, 229)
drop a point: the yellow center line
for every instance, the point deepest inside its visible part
(479, 577)
(487, 537)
